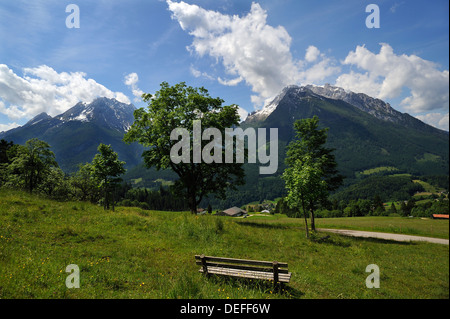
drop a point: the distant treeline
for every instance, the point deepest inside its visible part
(33, 168)
(441, 181)
(375, 207)
(388, 188)
(162, 199)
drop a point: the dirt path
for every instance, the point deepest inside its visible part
(397, 237)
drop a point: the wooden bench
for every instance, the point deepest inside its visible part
(266, 270)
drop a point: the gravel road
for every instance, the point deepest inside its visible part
(397, 237)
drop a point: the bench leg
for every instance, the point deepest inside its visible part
(275, 274)
(204, 266)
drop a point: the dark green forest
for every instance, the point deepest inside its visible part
(364, 196)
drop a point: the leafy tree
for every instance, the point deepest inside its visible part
(393, 209)
(83, 184)
(5, 146)
(409, 206)
(355, 208)
(308, 158)
(55, 184)
(6, 157)
(305, 186)
(403, 208)
(33, 161)
(106, 169)
(179, 106)
(378, 203)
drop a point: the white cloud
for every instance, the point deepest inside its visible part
(312, 53)
(388, 75)
(436, 119)
(242, 113)
(249, 49)
(316, 73)
(198, 73)
(7, 127)
(131, 80)
(42, 89)
(232, 82)
(393, 8)
(257, 54)
(360, 83)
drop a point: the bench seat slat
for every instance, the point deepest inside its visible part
(247, 274)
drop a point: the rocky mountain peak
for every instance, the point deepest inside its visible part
(375, 107)
(104, 111)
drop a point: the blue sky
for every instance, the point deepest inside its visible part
(243, 51)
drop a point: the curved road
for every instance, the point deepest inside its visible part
(387, 236)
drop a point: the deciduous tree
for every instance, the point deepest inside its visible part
(179, 106)
(106, 169)
(31, 164)
(312, 168)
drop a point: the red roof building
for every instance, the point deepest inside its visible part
(440, 216)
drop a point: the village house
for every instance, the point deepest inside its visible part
(233, 212)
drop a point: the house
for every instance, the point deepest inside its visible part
(233, 212)
(440, 216)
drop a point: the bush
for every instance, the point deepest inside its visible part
(144, 205)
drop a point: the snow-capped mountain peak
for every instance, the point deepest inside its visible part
(373, 106)
(105, 111)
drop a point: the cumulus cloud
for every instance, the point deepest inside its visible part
(249, 49)
(131, 80)
(242, 113)
(387, 75)
(232, 82)
(199, 74)
(436, 119)
(42, 89)
(312, 53)
(7, 127)
(259, 55)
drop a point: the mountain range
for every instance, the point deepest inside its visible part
(366, 133)
(75, 134)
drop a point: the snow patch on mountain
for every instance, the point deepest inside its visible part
(373, 106)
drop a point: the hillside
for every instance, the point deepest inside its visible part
(361, 139)
(368, 136)
(75, 135)
(132, 253)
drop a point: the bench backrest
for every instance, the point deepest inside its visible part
(242, 264)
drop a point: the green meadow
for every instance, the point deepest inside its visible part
(135, 253)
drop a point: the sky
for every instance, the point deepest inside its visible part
(53, 56)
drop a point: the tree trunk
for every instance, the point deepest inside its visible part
(306, 224)
(313, 224)
(193, 204)
(306, 220)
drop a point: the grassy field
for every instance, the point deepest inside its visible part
(397, 225)
(132, 253)
(378, 170)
